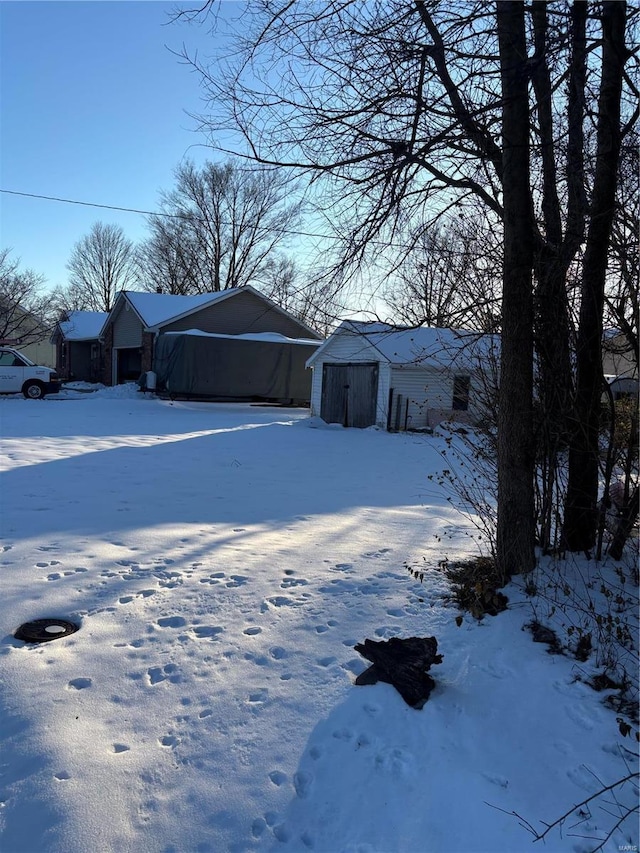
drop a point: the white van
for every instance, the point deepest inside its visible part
(20, 374)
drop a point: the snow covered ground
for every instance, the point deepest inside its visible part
(222, 561)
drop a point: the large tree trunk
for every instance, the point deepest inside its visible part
(581, 513)
(515, 531)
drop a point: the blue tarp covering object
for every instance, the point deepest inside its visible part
(263, 366)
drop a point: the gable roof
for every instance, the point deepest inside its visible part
(159, 309)
(82, 325)
(424, 346)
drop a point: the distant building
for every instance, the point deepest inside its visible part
(79, 352)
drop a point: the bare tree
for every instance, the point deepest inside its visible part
(310, 299)
(222, 228)
(450, 276)
(102, 263)
(24, 309)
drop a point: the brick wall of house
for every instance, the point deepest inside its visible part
(147, 351)
(108, 355)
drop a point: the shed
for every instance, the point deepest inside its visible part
(138, 320)
(400, 378)
(260, 366)
(78, 348)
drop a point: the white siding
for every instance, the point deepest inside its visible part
(430, 394)
(423, 389)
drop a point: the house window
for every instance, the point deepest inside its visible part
(461, 385)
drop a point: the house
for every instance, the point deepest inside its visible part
(76, 338)
(26, 332)
(137, 320)
(401, 378)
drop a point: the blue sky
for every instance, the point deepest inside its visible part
(95, 108)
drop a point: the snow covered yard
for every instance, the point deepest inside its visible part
(223, 560)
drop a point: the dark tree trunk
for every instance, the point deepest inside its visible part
(625, 526)
(581, 513)
(556, 250)
(515, 530)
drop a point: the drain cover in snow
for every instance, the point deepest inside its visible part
(43, 630)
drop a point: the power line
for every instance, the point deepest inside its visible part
(144, 212)
(95, 204)
(192, 216)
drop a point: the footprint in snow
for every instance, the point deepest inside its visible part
(302, 782)
(278, 601)
(80, 683)
(496, 779)
(282, 832)
(252, 631)
(120, 747)
(396, 612)
(169, 672)
(278, 653)
(258, 827)
(288, 583)
(579, 716)
(397, 761)
(207, 631)
(259, 697)
(172, 622)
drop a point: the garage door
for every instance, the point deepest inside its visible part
(349, 394)
(128, 365)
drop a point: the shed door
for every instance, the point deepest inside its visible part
(349, 394)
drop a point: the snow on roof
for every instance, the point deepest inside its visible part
(270, 337)
(155, 309)
(425, 346)
(82, 325)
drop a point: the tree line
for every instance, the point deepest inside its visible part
(222, 226)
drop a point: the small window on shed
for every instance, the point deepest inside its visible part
(461, 385)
